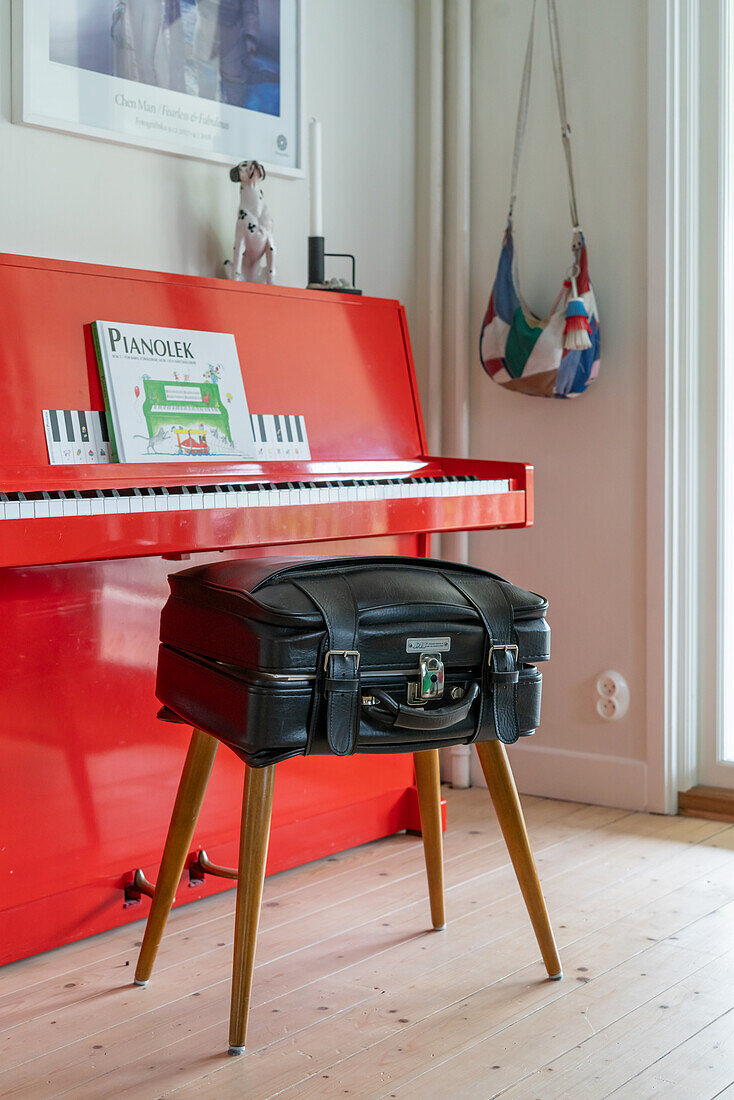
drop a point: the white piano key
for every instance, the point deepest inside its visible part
(40, 508)
(148, 500)
(69, 506)
(83, 504)
(136, 501)
(123, 504)
(100, 505)
(55, 505)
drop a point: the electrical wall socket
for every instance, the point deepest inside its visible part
(613, 695)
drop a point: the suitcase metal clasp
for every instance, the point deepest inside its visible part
(430, 682)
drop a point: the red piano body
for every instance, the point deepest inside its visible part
(88, 773)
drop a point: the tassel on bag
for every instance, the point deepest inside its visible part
(577, 331)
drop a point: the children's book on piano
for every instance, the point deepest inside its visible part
(172, 394)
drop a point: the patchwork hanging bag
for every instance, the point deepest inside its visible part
(557, 356)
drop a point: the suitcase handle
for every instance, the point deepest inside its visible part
(415, 718)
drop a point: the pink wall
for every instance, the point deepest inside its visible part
(587, 549)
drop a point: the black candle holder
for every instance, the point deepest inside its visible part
(316, 268)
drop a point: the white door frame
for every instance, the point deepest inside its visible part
(673, 501)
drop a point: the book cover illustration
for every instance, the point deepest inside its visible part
(172, 394)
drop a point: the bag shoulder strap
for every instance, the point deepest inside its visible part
(522, 110)
(337, 671)
(501, 674)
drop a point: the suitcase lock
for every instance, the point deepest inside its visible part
(430, 682)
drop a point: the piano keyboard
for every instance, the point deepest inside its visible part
(174, 498)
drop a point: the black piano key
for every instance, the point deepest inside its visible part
(288, 429)
(55, 430)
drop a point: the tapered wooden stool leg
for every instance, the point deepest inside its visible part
(501, 783)
(428, 782)
(257, 805)
(190, 795)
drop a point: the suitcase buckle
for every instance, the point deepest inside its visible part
(430, 682)
(341, 653)
(502, 649)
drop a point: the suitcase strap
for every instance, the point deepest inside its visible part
(337, 673)
(501, 672)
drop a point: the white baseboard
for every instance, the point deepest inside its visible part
(575, 776)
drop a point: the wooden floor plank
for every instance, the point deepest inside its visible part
(352, 996)
(706, 1058)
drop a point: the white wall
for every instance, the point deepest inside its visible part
(587, 549)
(73, 198)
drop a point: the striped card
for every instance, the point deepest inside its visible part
(76, 436)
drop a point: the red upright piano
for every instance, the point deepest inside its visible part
(88, 773)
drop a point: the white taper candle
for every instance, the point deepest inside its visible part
(316, 196)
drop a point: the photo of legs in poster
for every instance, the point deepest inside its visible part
(227, 51)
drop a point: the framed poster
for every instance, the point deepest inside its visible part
(214, 79)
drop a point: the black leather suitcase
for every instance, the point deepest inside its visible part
(284, 657)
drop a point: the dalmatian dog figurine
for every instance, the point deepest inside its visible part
(253, 239)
